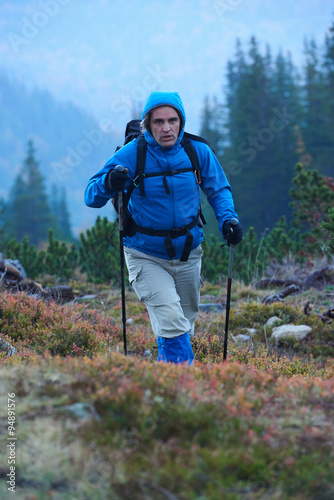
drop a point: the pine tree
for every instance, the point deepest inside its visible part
(212, 127)
(328, 64)
(244, 110)
(313, 133)
(60, 214)
(3, 235)
(262, 102)
(64, 216)
(318, 103)
(17, 208)
(282, 151)
(28, 211)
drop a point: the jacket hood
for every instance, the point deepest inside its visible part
(157, 99)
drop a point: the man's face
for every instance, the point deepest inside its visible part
(165, 126)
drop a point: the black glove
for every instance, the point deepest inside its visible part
(116, 179)
(232, 231)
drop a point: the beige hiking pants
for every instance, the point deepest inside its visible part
(170, 289)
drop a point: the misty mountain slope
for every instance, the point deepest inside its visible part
(70, 144)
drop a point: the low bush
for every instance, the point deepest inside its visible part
(38, 328)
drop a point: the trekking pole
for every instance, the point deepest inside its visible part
(228, 300)
(233, 222)
(121, 255)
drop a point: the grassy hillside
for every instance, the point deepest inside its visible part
(92, 424)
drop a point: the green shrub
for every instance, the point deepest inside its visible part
(99, 254)
(312, 198)
(61, 259)
(32, 261)
(329, 228)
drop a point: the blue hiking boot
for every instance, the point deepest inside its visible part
(175, 350)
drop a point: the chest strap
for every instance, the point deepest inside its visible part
(168, 173)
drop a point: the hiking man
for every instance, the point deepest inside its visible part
(162, 242)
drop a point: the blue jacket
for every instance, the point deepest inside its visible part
(159, 210)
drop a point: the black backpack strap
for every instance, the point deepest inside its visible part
(139, 174)
(198, 138)
(190, 150)
(141, 159)
(140, 169)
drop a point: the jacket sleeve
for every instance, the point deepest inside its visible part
(96, 195)
(215, 185)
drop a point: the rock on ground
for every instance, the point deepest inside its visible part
(299, 332)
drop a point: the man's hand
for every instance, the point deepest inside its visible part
(116, 179)
(232, 231)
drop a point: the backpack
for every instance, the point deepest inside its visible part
(133, 131)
